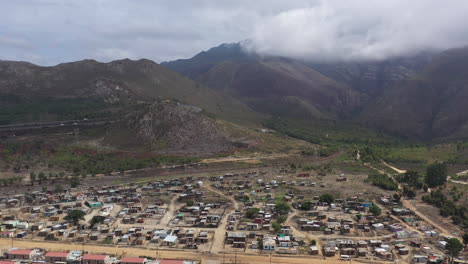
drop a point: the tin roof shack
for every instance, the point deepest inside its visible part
(420, 259)
(52, 257)
(10, 224)
(314, 250)
(170, 240)
(95, 259)
(21, 254)
(233, 237)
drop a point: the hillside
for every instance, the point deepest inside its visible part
(418, 97)
(373, 77)
(281, 87)
(431, 105)
(171, 128)
(92, 89)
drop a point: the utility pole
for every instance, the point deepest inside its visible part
(77, 135)
(316, 154)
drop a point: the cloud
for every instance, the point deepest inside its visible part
(55, 31)
(362, 29)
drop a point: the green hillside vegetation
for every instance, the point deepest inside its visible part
(82, 161)
(104, 87)
(329, 132)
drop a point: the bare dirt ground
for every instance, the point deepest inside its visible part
(218, 238)
(166, 219)
(174, 254)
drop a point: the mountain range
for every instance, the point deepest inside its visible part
(419, 97)
(192, 105)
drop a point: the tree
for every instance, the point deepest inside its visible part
(465, 238)
(32, 177)
(375, 210)
(42, 177)
(252, 212)
(281, 219)
(326, 198)
(453, 247)
(313, 242)
(189, 202)
(409, 192)
(306, 205)
(260, 243)
(282, 208)
(75, 216)
(436, 174)
(74, 182)
(58, 188)
(412, 178)
(276, 227)
(97, 219)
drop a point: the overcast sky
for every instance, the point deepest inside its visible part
(48, 32)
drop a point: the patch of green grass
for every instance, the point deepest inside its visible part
(422, 154)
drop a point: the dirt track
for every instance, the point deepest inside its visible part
(218, 238)
(412, 205)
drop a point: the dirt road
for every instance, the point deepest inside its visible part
(394, 168)
(218, 238)
(299, 233)
(171, 254)
(408, 204)
(166, 219)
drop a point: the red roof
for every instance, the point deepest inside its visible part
(57, 254)
(20, 252)
(132, 260)
(171, 261)
(94, 257)
(7, 262)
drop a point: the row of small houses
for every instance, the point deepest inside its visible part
(281, 244)
(115, 194)
(76, 257)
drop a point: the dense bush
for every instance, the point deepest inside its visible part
(412, 178)
(83, 161)
(383, 181)
(282, 208)
(326, 198)
(448, 208)
(436, 174)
